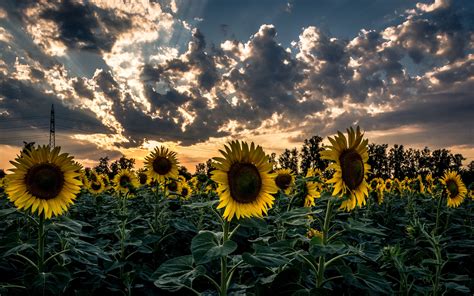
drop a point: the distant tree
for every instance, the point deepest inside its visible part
(378, 160)
(410, 164)
(209, 167)
(27, 147)
(183, 171)
(122, 163)
(103, 166)
(272, 159)
(424, 162)
(310, 157)
(289, 160)
(396, 158)
(200, 169)
(441, 162)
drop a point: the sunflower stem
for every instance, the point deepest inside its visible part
(438, 210)
(41, 238)
(322, 258)
(225, 238)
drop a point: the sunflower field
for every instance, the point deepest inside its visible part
(247, 228)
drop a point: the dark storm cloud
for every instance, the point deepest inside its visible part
(80, 28)
(167, 127)
(82, 25)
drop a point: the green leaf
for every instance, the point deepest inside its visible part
(6, 212)
(176, 273)
(357, 226)
(374, 281)
(265, 257)
(205, 247)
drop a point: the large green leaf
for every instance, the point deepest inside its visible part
(205, 247)
(265, 257)
(176, 273)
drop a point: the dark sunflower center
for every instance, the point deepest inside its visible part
(352, 168)
(173, 186)
(184, 192)
(452, 188)
(388, 185)
(96, 186)
(44, 181)
(283, 181)
(142, 178)
(244, 182)
(124, 181)
(162, 165)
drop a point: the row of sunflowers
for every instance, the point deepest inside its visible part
(45, 181)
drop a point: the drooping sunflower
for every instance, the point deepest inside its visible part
(124, 181)
(245, 184)
(162, 164)
(351, 168)
(44, 181)
(380, 192)
(285, 180)
(454, 188)
(310, 192)
(429, 183)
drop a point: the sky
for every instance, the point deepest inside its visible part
(126, 76)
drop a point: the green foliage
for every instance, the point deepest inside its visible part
(152, 245)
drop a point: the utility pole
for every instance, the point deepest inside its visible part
(52, 135)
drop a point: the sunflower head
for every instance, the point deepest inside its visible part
(96, 187)
(350, 165)
(43, 180)
(388, 185)
(454, 188)
(125, 181)
(312, 172)
(185, 191)
(310, 192)
(143, 178)
(285, 180)
(245, 185)
(162, 164)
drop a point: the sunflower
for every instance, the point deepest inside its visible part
(312, 172)
(374, 184)
(143, 178)
(96, 187)
(245, 184)
(285, 180)
(173, 185)
(124, 180)
(162, 164)
(314, 233)
(419, 184)
(380, 192)
(43, 180)
(310, 192)
(454, 188)
(351, 167)
(185, 191)
(429, 183)
(388, 185)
